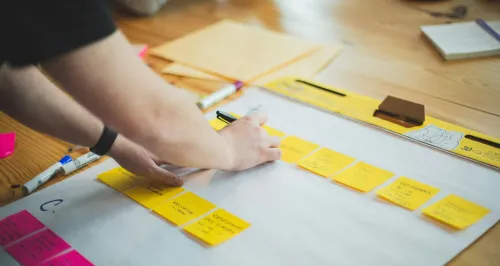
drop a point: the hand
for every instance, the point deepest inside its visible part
(248, 143)
(139, 161)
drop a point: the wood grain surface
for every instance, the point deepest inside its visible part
(385, 54)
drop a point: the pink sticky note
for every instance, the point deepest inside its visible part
(17, 226)
(72, 258)
(7, 143)
(37, 248)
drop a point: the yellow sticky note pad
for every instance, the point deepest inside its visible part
(184, 208)
(325, 162)
(119, 179)
(150, 196)
(456, 212)
(363, 177)
(217, 227)
(273, 132)
(408, 193)
(217, 124)
(293, 149)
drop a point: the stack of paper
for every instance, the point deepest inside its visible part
(228, 51)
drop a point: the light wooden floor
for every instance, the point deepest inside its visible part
(385, 54)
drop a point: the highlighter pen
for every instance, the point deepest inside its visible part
(220, 95)
(78, 163)
(44, 176)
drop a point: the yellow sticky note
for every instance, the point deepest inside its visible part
(293, 149)
(456, 211)
(120, 179)
(325, 162)
(150, 196)
(363, 177)
(217, 227)
(217, 124)
(184, 208)
(408, 193)
(273, 132)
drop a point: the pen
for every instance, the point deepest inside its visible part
(220, 95)
(228, 118)
(44, 176)
(78, 163)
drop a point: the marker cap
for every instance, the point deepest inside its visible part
(66, 159)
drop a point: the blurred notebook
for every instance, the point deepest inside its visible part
(465, 39)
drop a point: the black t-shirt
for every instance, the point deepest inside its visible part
(33, 31)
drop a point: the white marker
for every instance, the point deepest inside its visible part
(44, 176)
(220, 95)
(79, 163)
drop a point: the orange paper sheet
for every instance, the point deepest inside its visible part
(235, 51)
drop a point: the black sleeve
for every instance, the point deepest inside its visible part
(39, 30)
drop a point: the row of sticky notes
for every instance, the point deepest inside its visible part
(408, 193)
(28, 241)
(178, 207)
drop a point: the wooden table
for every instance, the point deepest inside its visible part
(385, 54)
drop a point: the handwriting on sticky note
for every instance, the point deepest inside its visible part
(408, 193)
(325, 162)
(37, 248)
(363, 177)
(120, 179)
(456, 211)
(150, 195)
(71, 258)
(217, 227)
(17, 226)
(184, 208)
(293, 149)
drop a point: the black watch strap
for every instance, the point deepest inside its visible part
(105, 142)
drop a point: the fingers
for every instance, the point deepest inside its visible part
(259, 117)
(166, 177)
(274, 142)
(272, 154)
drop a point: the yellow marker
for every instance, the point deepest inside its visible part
(363, 177)
(456, 211)
(184, 208)
(408, 193)
(325, 162)
(120, 179)
(293, 149)
(273, 132)
(150, 196)
(217, 227)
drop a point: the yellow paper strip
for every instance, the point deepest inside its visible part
(325, 162)
(408, 193)
(217, 124)
(456, 211)
(273, 132)
(184, 208)
(120, 179)
(150, 196)
(293, 149)
(363, 177)
(217, 227)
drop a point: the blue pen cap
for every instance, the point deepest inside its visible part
(66, 159)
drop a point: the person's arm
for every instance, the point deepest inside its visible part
(109, 80)
(29, 97)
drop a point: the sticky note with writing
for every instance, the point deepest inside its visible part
(37, 248)
(148, 195)
(363, 177)
(72, 258)
(408, 193)
(293, 149)
(184, 208)
(217, 227)
(17, 226)
(456, 211)
(325, 162)
(120, 179)
(273, 132)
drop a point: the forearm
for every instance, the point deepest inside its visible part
(108, 79)
(29, 97)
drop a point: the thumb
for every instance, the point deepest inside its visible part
(166, 177)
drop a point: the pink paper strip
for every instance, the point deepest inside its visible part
(72, 258)
(37, 248)
(17, 226)
(7, 144)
